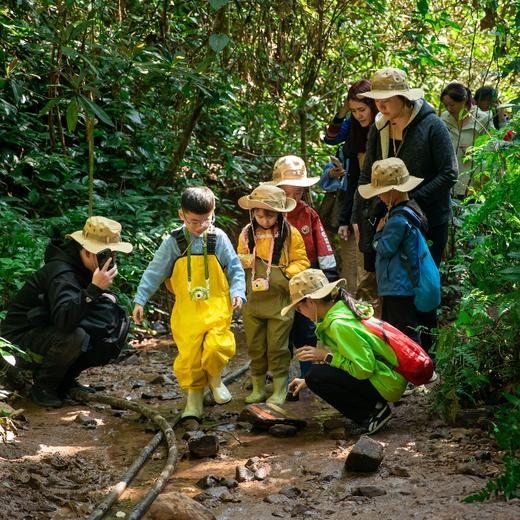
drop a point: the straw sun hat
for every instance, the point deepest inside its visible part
(100, 233)
(290, 170)
(268, 197)
(389, 174)
(390, 82)
(311, 283)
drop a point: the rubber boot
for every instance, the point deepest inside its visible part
(221, 394)
(194, 403)
(279, 391)
(258, 394)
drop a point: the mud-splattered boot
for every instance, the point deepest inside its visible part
(258, 394)
(221, 394)
(194, 404)
(279, 390)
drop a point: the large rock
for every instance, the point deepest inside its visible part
(264, 415)
(176, 506)
(204, 446)
(365, 456)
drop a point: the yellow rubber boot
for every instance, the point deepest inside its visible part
(221, 394)
(279, 391)
(194, 403)
(258, 394)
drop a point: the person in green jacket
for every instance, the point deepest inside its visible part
(352, 367)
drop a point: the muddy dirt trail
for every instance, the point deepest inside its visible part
(62, 462)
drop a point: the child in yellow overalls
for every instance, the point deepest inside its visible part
(272, 251)
(208, 281)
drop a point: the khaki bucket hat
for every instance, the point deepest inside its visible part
(311, 283)
(290, 170)
(389, 174)
(268, 197)
(100, 233)
(390, 82)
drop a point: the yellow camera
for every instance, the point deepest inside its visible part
(260, 284)
(199, 294)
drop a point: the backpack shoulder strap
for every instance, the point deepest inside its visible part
(212, 242)
(178, 235)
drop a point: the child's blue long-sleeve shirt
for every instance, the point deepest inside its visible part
(160, 268)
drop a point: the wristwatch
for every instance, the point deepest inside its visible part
(328, 359)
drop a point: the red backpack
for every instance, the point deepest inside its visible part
(413, 363)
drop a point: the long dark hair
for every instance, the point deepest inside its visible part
(458, 92)
(284, 231)
(357, 138)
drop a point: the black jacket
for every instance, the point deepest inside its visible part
(428, 153)
(60, 293)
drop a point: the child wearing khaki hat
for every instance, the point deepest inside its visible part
(271, 251)
(290, 174)
(396, 242)
(352, 366)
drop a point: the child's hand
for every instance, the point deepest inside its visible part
(296, 385)
(308, 353)
(138, 313)
(236, 302)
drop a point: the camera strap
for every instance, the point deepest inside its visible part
(205, 253)
(253, 267)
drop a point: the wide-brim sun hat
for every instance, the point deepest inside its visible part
(311, 283)
(290, 170)
(268, 197)
(100, 233)
(390, 82)
(389, 174)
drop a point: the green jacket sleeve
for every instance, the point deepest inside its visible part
(351, 351)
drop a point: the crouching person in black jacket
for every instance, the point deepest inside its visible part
(64, 316)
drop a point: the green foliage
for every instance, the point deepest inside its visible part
(506, 431)
(478, 353)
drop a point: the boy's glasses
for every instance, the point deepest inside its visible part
(208, 221)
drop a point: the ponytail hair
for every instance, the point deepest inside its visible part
(361, 310)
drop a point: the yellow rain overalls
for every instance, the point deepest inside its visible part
(267, 332)
(201, 328)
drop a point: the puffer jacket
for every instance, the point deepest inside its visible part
(60, 293)
(398, 238)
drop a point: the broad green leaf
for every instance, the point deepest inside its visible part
(92, 109)
(218, 41)
(422, 6)
(50, 105)
(72, 114)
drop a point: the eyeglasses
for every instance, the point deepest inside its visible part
(207, 221)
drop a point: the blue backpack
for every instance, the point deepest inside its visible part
(427, 285)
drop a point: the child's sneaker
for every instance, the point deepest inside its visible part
(378, 419)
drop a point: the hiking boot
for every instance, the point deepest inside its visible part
(378, 419)
(66, 387)
(45, 396)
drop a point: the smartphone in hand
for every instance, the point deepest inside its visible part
(104, 255)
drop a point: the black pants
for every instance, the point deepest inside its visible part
(64, 354)
(354, 398)
(400, 312)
